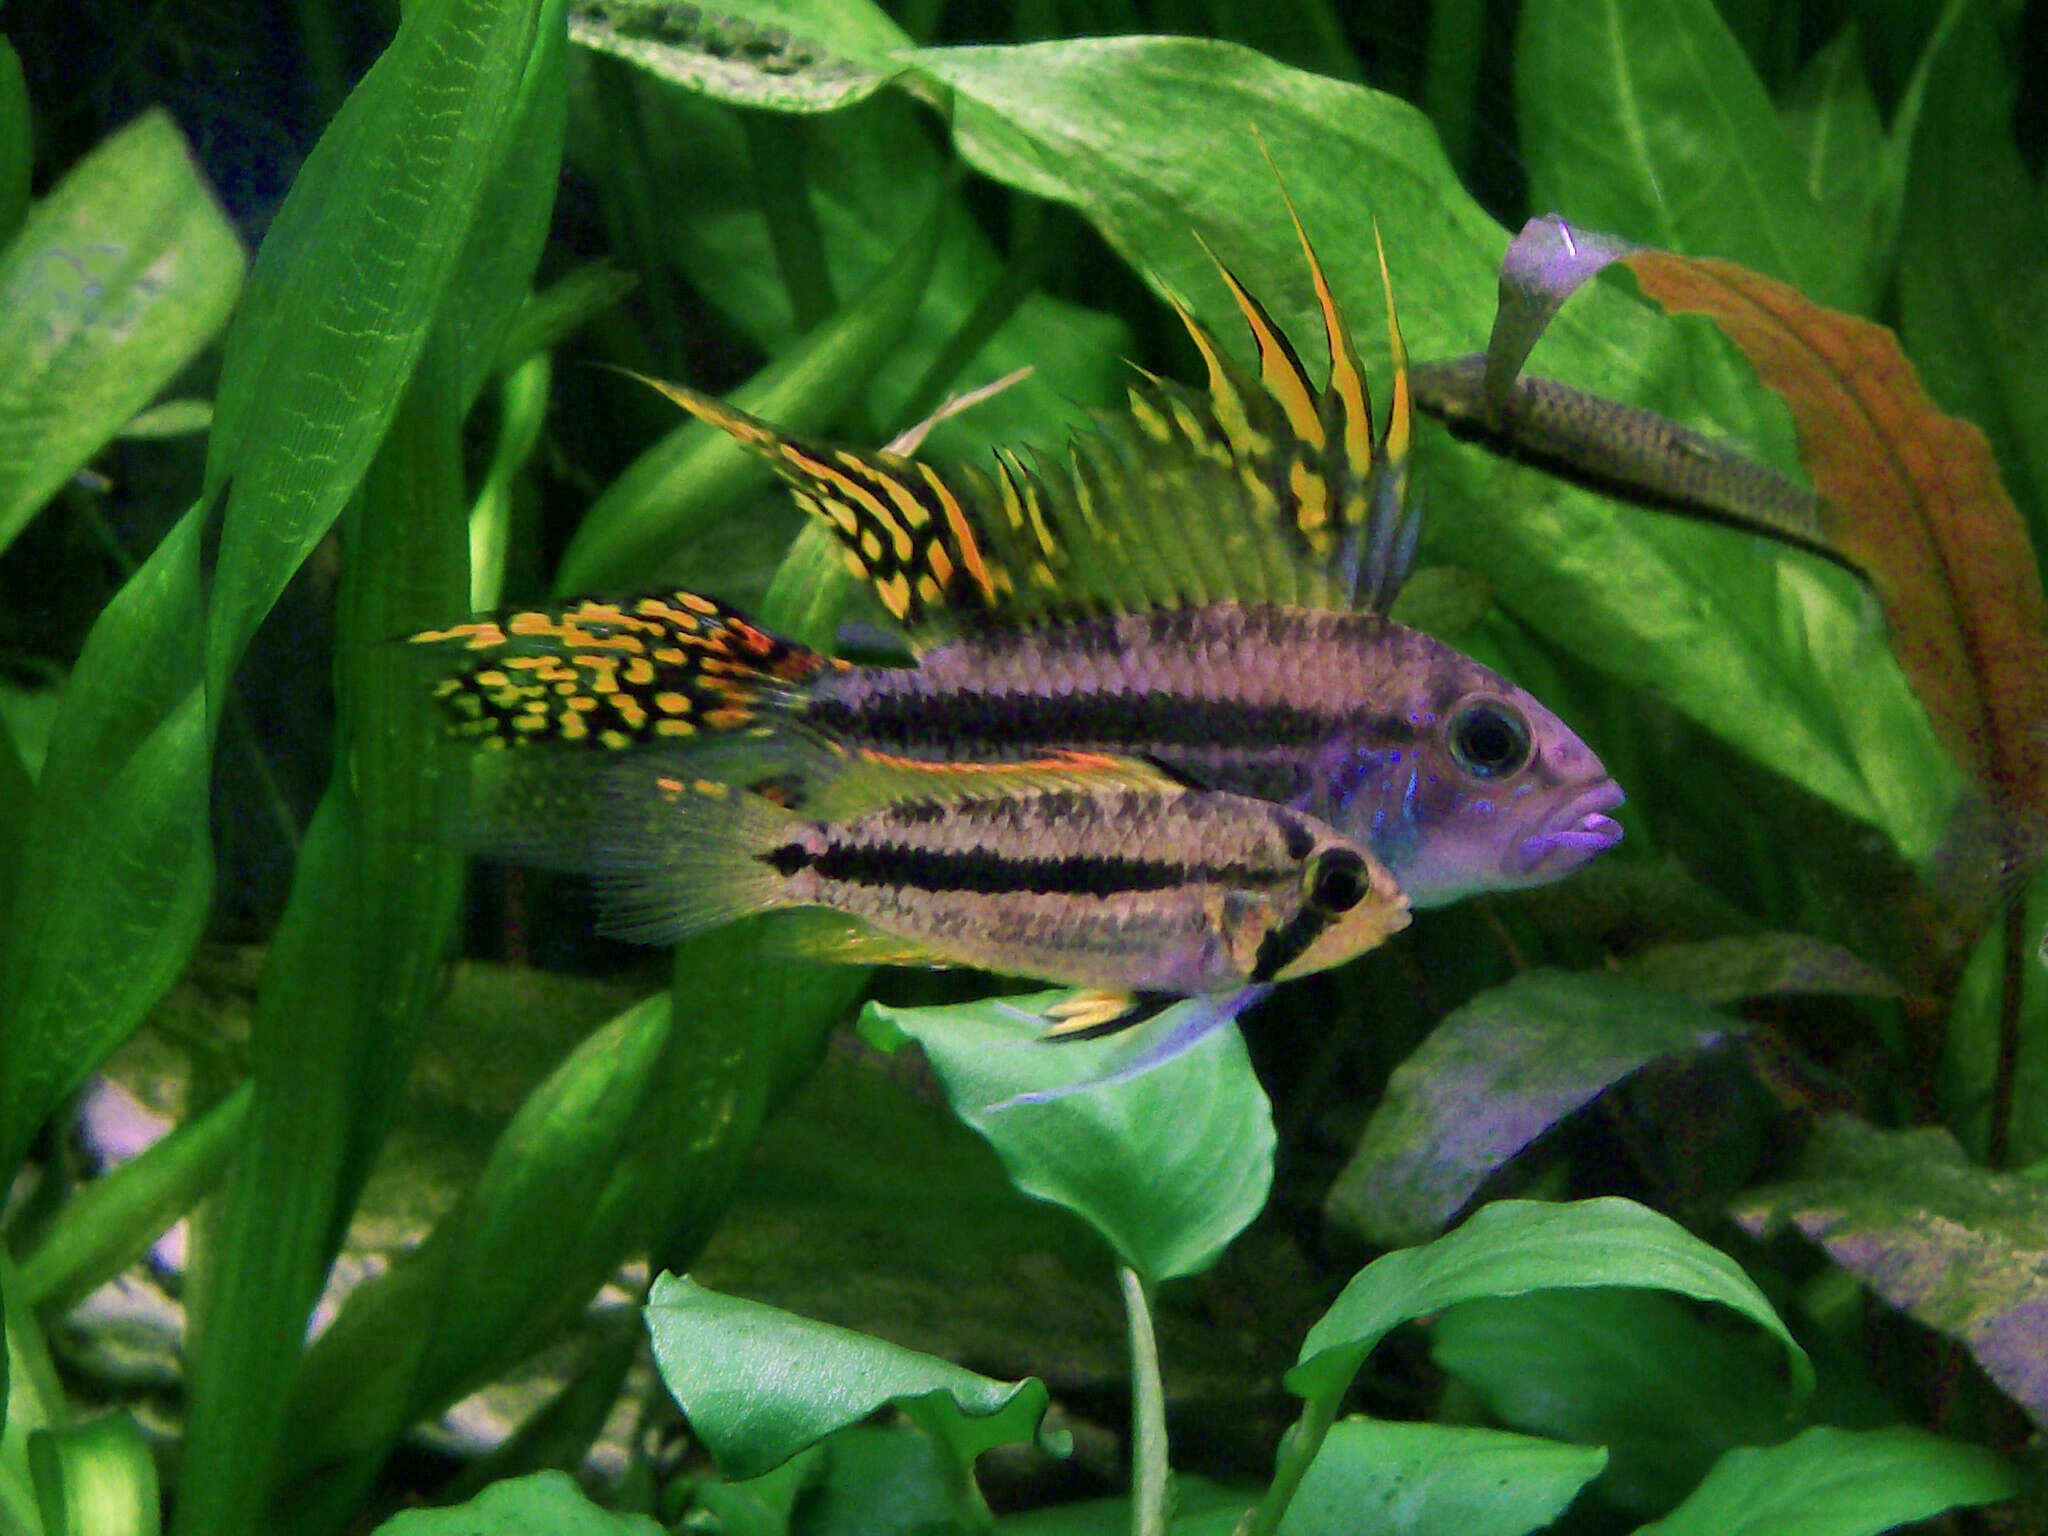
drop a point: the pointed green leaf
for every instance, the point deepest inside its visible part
(1839, 1482)
(1491, 1078)
(1850, 171)
(1960, 1248)
(1664, 1386)
(1168, 1166)
(1518, 1246)
(1436, 1480)
(116, 281)
(727, 1363)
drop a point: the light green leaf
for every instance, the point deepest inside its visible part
(727, 1362)
(546, 1504)
(1517, 1246)
(1773, 655)
(118, 278)
(96, 1479)
(1436, 1480)
(1839, 1482)
(1851, 173)
(784, 57)
(1168, 1166)
(1646, 119)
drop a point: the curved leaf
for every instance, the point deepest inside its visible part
(804, 59)
(728, 1362)
(1962, 1249)
(545, 1504)
(1839, 1482)
(1517, 1246)
(1491, 1078)
(1168, 1166)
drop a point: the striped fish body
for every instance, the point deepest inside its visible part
(1456, 779)
(1145, 888)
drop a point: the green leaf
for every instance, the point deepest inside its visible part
(791, 57)
(1648, 120)
(112, 1222)
(1492, 1077)
(1959, 1248)
(1436, 1480)
(727, 1363)
(546, 1504)
(1839, 1482)
(96, 1479)
(1850, 171)
(17, 148)
(346, 289)
(1168, 1166)
(1665, 1389)
(1973, 290)
(115, 282)
(1736, 966)
(31, 1401)
(1770, 654)
(1517, 1246)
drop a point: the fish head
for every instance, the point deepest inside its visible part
(1349, 902)
(1472, 785)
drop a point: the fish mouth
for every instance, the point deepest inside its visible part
(1582, 829)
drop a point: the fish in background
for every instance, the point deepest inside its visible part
(1198, 588)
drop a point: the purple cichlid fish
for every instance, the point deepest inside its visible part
(1199, 588)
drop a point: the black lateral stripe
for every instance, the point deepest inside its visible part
(1288, 943)
(983, 872)
(1020, 720)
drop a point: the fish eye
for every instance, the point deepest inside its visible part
(1490, 739)
(1337, 881)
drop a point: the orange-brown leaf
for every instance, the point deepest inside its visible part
(1913, 497)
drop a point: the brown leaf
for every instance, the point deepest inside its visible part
(1914, 498)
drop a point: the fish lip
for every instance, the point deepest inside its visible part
(1576, 833)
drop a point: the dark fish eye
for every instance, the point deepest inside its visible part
(1337, 881)
(1490, 739)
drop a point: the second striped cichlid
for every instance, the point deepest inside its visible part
(1084, 872)
(1199, 587)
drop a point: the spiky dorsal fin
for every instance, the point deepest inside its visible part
(1261, 488)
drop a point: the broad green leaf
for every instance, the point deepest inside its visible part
(1775, 657)
(1491, 1078)
(1436, 1480)
(17, 149)
(1168, 1166)
(783, 57)
(1665, 1388)
(96, 1478)
(1973, 289)
(115, 282)
(1960, 1249)
(1839, 1482)
(1850, 172)
(545, 1504)
(1646, 119)
(888, 1480)
(1517, 1246)
(726, 1361)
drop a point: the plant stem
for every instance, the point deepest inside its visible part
(2013, 988)
(1296, 1452)
(1151, 1493)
